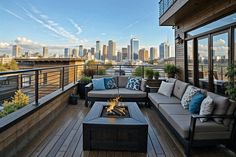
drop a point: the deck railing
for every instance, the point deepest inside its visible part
(164, 5)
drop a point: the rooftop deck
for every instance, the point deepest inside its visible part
(63, 137)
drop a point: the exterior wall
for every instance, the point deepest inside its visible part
(208, 14)
(17, 136)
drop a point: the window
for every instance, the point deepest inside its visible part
(190, 60)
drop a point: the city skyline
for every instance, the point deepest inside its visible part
(34, 25)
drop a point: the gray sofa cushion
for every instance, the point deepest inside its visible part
(179, 88)
(143, 85)
(122, 81)
(230, 111)
(128, 93)
(108, 93)
(207, 130)
(221, 105)
(157, 99)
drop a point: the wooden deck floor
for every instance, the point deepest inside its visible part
(63, 138)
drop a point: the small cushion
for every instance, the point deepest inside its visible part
(189, 93)
(206, 108)
(143, 85)
(110, 83)
(134, 83)
(122, 81)
(98, 84)
(195, 103)
(166, 88)
(179, 88)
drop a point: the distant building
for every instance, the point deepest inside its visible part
(5, 59)
(45, 52)
(124, 53)
(143, 55)
(74, 52)
(16, 51)
(98, 50)
(85, 52)
(118, 57)
(134, 42)
(153, 53)
(66, 53)
(104, 52)
(111, 52)
(81, 51)
(129, 52)
(164, 50)
(92, 50)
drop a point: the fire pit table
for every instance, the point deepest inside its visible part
(127, 132)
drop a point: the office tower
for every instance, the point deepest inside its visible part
(124, 53)
(66, 53)
(81, 51)
(74, 52)
(129, 52)
(92, 50)
(118, 57)
(16, 51)
(45, 52)
(104, 52)
(153, 53)
(134, 42)
(85, 52)
(164, 50)
(111, 52)
(143, 55)
(98, 50)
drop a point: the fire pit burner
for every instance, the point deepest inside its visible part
(116, 112)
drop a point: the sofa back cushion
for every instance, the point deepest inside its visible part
(122, 81)
(221, 105)
(110, 83)
(143, 85)
(207, 107)
(98, 84)
(179, 88)
(188, 94)
(134, 83)
(230, 111)
(166, 88)
(171, 80)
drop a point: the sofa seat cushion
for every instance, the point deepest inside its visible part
(179, 88)
(207, 130)
(157, 99)
(108, 93)
(129, 93)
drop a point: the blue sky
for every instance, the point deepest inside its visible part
(69, 23)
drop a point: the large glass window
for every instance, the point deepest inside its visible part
(190, 60)
(202, 47)
(220, 57)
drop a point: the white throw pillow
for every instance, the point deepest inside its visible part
(207, 107)
(188, 94)
(166, 88)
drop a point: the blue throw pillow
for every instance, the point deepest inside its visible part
(110, 83)
(195, 103)
(134, 83)
(98, 84)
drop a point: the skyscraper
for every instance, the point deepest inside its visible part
(104, 52)
(74, 52)
(45, 52)
(111, 52)
(129, 52)
(153, 53)
(134, 42)
(124, 53)
(66, 53)
(98, 50)
(143, 55)
(16, 51)
(92, 50)
(164, 50)
(81, 51)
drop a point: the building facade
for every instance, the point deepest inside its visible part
(16, 51)
(164, 50)
(67, 53)
(81, 53)
(111, 50)
(134, 43)
(98, 50)
(45, 52)
(153, 53)
(124, 53)
(104, 52)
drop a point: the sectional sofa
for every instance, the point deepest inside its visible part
(187, 127)
(125, 94)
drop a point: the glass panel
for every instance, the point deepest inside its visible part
(216, 24)
(220, 61)
(190, 60)
(202, 47)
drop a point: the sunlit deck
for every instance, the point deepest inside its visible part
(63, 137)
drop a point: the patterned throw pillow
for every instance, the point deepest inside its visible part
(110, 83)
(189, 93)
(134, 83)
(207, 107)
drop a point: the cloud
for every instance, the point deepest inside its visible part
(103, 34)
(13, 14)
(4, 45)
(78, 28)
(27, 43)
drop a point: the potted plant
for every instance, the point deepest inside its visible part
(149, 74)
(81, 85)
(156, 75)
(231, 84)
(170, 70)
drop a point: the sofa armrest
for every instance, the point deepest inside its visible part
(88, 88)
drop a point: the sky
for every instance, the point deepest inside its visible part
(70, 23)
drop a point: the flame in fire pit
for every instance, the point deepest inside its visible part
(112, 103)
(114, 108)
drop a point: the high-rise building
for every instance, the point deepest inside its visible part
(143, 55)
(124, 53)
(104, 52)
(129, 52)
(153, 53)
(111, 52)
(85, 52)
(134, 42)
(81, 51)
(164, 50)
(98, 50)
(45, 52)
(74, 52)
(16, 51)
(66, 53)
(118, 57)
(92, 50)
